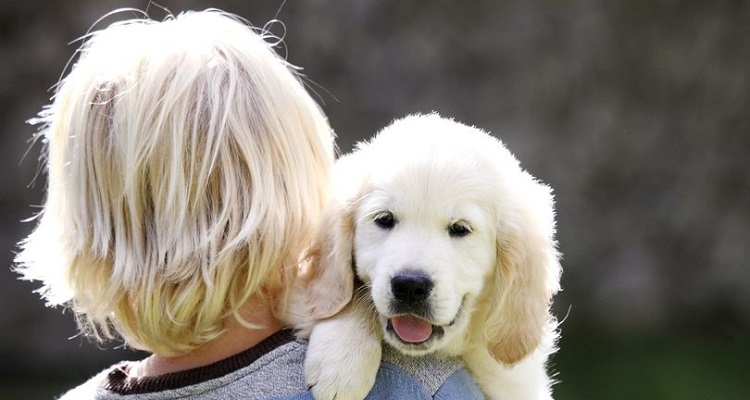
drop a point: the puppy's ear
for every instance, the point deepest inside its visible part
(526, 276)
(330, 279)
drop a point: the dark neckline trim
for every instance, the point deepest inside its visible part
(119, 382)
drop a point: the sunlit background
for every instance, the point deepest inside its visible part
(636, 112)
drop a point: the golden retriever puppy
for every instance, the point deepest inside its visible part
(436, 241)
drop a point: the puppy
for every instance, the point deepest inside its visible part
(436, 241)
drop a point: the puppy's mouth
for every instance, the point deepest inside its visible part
(411, 329)
(415, 331)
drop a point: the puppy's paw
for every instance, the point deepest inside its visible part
(342, 360)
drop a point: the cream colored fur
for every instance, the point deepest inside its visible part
(492, 287)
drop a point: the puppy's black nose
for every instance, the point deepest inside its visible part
(411, 287)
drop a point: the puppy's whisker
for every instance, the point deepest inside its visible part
(362, 300)
(358, 202)
(369, 216)
(565, 318)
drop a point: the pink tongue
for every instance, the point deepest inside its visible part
(411, 329)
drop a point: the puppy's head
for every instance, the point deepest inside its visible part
(453, 239)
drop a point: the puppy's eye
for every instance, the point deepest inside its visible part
(385, 220)
(459, 229)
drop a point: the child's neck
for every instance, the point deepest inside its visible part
(235, 339)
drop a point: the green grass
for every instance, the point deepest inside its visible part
(653, 368)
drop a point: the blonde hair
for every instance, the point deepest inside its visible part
(186, 168)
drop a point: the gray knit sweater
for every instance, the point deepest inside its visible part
(272, 369)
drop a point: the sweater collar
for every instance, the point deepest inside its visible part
(119, 382)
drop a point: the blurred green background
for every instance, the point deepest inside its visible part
(636, 112)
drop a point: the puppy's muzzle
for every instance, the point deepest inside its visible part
(410, 291)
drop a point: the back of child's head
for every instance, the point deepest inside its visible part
(186, 168)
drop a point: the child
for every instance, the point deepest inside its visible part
(186, 167)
